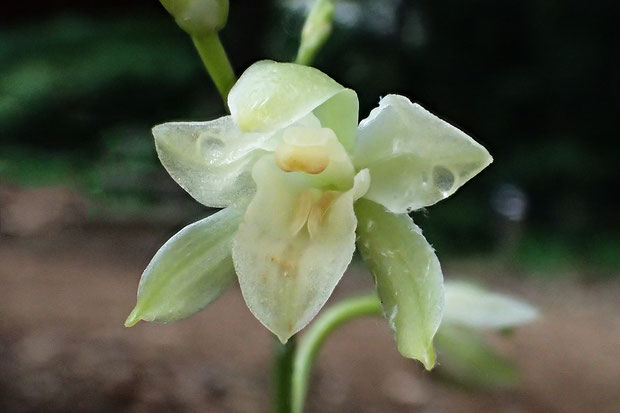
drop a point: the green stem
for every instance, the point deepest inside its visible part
(317, 29)
(282, 373)
(216, 62)
(314, 338)
(305, 55)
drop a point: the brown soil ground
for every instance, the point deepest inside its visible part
(64, 296)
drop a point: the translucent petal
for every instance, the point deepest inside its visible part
(408, 276)
(270, 96)
(340, 114)
(361, 184)
(192, 269)
(211, 160)
(415, 159)
(287, 275)
(472, 306)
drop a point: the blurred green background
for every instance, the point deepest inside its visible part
(82, 83)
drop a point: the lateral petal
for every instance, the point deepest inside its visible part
(211, 160)
(189, 271)
(408, 276)
(415, 159)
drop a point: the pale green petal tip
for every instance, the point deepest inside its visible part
(133, 318)
(427, 357)
(284, 337)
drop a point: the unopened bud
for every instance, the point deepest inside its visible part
(198, 17)
(316, 30)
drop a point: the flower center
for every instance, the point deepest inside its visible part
(316, 155)
(304, 149)
(311, 210)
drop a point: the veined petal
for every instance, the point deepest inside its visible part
(211, 160)
(286, 274)
(472, 306)
(415, 159)
(408, 276)
(190, 271)
(269, 96)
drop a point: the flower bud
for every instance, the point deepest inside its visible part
(198, 17)
(316, 30)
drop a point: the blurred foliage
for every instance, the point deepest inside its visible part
(82, 84)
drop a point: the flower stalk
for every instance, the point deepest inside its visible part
(216, 62)
(316, 31)
(203, 20)
(282, 373)
(331, 319)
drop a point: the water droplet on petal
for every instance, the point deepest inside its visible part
(443, 178)
(210, 147)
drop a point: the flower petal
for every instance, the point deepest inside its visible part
(286, 274)
(269, 96)
(408, 276)
(190, 271)
(472, 306)
(211, 160)
(415, 159)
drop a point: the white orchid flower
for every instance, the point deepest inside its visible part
(296, 176)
